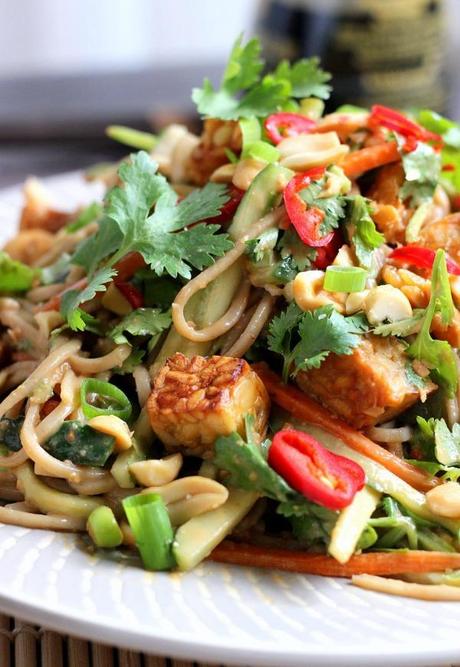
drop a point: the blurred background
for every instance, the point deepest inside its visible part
(70, 67)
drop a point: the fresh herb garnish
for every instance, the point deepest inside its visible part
(162, 237)
(422, 168)
(365, 237)
(437, 354)
(333, 207)
(305, 339)
(141, 322)
(77, 318)
(243, 93)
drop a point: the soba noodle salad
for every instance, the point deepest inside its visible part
(248, 351)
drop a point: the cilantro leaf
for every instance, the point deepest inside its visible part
(306, 78)
(365, 237)
(437, 354)
(94, 249)
(175, 253)
(14, 275)
(244, 65)
(422, 168)
(248, 468)
(447, 443)
(291, 245)
(333, 207)
(262, 100)
(305, 339)
(244, 94)
(434, 441)
(141, 322)
(157, 236)
(323, 331)
(71, 300)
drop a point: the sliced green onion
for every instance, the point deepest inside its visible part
(262, 150)
(416, 222)
(149, 520)
(312, 107)
(103, 528)
(89, 214)
(345, 279)
(103, 398)
(144, 141)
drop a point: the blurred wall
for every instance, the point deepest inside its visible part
(56, 36)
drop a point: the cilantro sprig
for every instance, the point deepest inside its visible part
(162, 237)
(305, 339)
(333, 207)
(365, 237)
(437, 354)
(244, 93)
(422, 168)
(141, 322)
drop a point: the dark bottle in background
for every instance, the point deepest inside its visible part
(387, 51)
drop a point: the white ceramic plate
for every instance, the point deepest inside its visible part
(216, 613)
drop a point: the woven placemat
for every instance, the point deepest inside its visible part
(26, 645)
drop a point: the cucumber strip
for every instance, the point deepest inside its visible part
(351, 523)
(196, 539)
(381, 479)
(49, 500)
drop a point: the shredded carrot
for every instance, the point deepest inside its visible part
(379, 563)
(357, 162)
(308, 410)
(126, 268)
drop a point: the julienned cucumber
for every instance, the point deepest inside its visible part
(195, 539)
(211, 303)
(259, 199)
(351, 523)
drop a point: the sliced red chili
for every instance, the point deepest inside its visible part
(306, 220)
(321, 476)
(397, 122)
(228, 210)
(281, 125)
(421, 258)
(326, 255)
(131, 293)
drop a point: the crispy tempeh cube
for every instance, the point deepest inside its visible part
(195, 400)
(367, 387)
